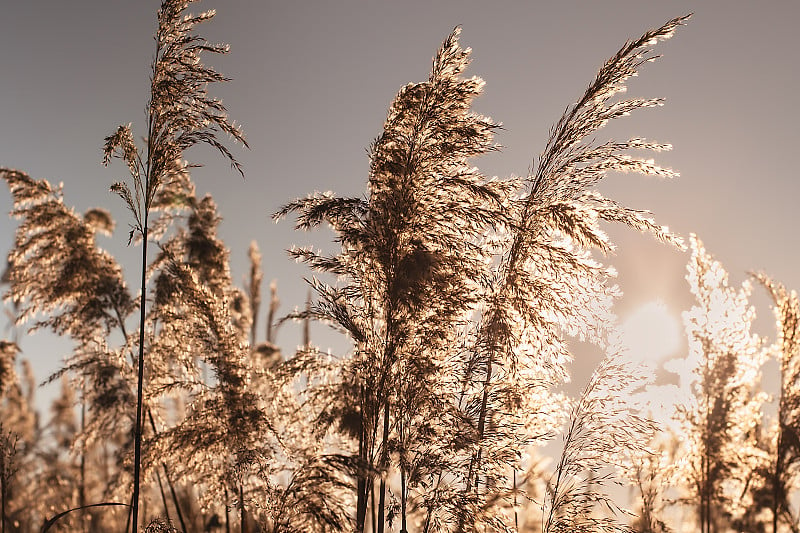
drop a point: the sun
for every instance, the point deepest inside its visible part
(651, 332)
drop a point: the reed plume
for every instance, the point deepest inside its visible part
(784, 449)
(180, 114)
(722, 417)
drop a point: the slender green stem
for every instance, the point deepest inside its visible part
(169, 479)
(403, 526)
(147, 195)
(163, 496)
(130, 513)
(362, 486)
(3, 492)
(384, 465)
(516, 513)
(374, 510)
(241, 508)
(82, 483)
(137, 450)
(227, 513)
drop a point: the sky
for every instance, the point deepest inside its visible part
(312, 81)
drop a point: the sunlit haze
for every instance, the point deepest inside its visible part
(651, 332)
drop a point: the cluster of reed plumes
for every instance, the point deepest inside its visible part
(459, 294)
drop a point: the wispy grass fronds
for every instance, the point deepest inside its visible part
(56, 269)
(569, 166)
(310, 485)
(58, 273)
(8, 469)
(548, 283)
(254, 288)
(315, 499)
(411, 264)
(722, 419)
(17, 410)
(160, 525)
(651, 473)
(180, 114)
(782, 478)
(605, 434)
(199, 325)
(8, 363)
(224, 419)
(19, 438)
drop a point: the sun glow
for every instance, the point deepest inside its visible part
(650, 333)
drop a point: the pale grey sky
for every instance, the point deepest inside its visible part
(313, 80)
